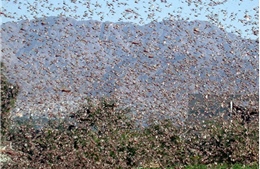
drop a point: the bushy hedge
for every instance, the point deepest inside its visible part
(103, 136)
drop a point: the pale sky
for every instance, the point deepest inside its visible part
(238, 16)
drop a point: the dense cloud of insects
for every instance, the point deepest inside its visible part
(109, 84)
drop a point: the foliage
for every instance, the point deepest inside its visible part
(8, 97)
(223, 166)
(104, 136)
(101, 138)
(219, 141)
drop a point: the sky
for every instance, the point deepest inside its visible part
(238, 16)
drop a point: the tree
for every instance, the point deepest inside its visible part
(8, 98)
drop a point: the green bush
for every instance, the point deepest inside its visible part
(222, 141)
(8, 98)
(104, 136)
(223, 166)
(161, 144)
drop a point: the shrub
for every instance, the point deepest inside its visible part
(161, 144)
(104, 136)
(222, 141)
(8, 97)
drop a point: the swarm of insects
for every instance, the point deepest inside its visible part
(128, 84)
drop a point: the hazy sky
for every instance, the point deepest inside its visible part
(239, 16)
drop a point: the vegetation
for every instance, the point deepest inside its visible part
(103, 136)
(8, 97)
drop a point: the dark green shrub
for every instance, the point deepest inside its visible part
(102, 137)
(222, 141)
(8, 97)
(161, 145)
